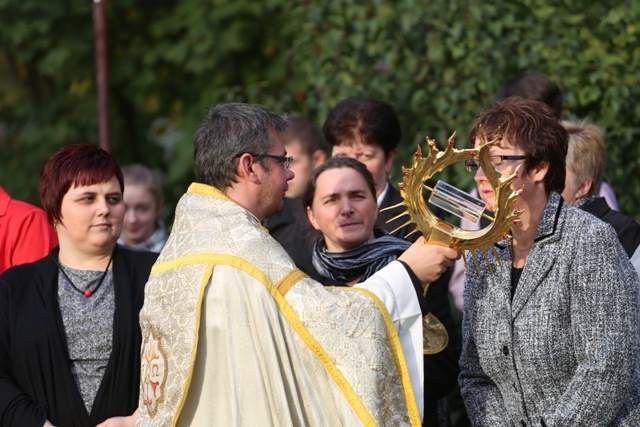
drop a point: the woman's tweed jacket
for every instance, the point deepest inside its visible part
(564, 351)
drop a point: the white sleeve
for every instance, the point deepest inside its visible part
(394, 287)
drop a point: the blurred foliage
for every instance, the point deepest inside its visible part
(437, 62)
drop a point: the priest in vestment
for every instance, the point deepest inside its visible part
(234, 334)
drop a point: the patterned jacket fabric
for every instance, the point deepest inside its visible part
(564, 351)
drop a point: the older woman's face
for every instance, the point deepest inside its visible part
(505, 167)
(343, 209)
(372, 156)
(91, 217)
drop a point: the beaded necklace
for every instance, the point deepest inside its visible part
(86, 292)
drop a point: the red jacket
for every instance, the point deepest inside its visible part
(25, 233)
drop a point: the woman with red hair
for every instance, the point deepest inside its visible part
(69, 331)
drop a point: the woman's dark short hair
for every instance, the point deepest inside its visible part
(336, 163)
(374, 121)
(72, 166)
(531, 126)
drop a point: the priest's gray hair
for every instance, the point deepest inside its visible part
(228, 131)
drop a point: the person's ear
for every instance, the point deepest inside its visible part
(312, 219)
(540, 171)
(583, 189)
(318, 158)
(247, 168)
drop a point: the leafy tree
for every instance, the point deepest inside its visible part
(438, 63)
(168, 62)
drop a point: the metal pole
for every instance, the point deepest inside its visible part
(100, 34)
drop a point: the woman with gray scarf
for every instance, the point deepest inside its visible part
(550, 329)
(340, 202)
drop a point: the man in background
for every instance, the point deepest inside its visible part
(290, 226)
(533, 86)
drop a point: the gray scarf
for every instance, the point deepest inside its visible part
(363, 260)
(155, 243)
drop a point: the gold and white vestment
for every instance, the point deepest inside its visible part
(233, 334)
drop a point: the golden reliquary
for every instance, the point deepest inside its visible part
(437, 231)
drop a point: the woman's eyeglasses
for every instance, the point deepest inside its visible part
(472, 165)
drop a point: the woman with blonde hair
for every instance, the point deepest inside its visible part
(143, 229)
(586, 162)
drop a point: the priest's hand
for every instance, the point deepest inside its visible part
(429, 261)
(47, 423)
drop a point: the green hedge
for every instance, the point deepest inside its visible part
(438, 62)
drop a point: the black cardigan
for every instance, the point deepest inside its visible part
(36, 382)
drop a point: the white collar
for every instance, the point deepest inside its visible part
(384, 193)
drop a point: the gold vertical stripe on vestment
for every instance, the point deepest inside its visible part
(203, 285)
(396, 349)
